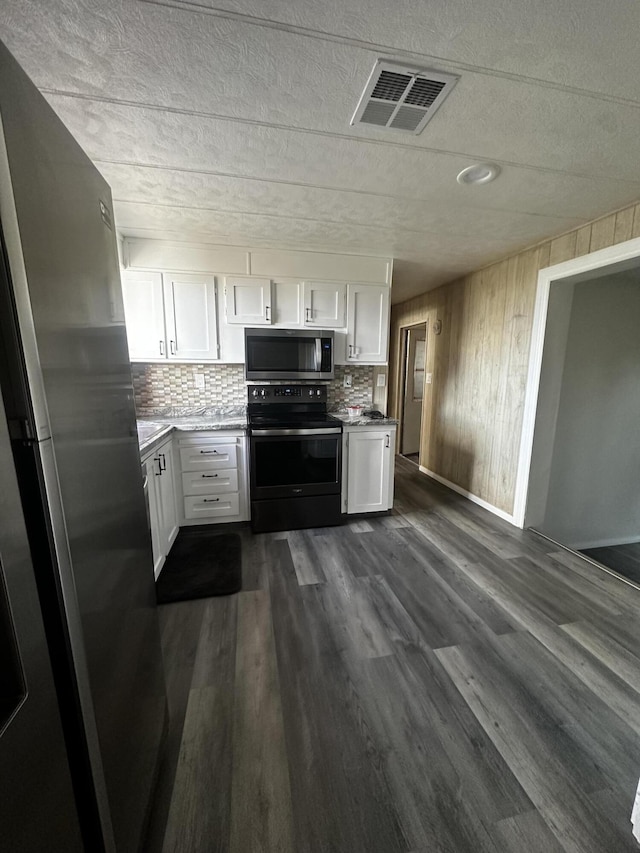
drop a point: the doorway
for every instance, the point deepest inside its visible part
(414, 361)
(582, 450)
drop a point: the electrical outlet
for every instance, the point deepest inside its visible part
(428, 378)
(198, 380)
(348, 380)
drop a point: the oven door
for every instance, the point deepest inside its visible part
(288, 463)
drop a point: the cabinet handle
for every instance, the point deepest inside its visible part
(161, 347)
(205, 452)
(350, 350)
(267, 313)
(163, 464)
(308, 313)
(172, 347)
(210, 500)
(159, 471)
(209, 476)
(388, 441)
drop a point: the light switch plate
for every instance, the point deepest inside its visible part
(428, 378)
(382, 380)
(348, 380)
(198, 380)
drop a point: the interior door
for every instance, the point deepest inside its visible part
(416, 348)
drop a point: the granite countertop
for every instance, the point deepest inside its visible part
(363, 420)
(155, 426)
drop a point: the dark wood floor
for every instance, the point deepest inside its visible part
(623, 559)
(434, 680)
(412, 457)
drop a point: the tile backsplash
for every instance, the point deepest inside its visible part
(360, 393)
(158, 386)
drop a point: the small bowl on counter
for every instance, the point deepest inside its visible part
(355, 411)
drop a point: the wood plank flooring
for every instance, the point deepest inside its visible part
(623, 559)
(434, 680)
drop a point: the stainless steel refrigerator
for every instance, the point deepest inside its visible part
(82, 695)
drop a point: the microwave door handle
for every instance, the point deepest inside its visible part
(318, 355)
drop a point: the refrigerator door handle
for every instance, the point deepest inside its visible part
(45, 461)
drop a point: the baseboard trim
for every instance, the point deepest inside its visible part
(605, 543)
(470, 496)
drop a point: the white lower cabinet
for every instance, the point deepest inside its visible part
(163, 517)
(214, 477)
(367, 468)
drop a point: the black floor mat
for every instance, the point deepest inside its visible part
(201, 564)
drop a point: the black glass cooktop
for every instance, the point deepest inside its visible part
(292, 420)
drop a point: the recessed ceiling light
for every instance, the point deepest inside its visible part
(481, 173)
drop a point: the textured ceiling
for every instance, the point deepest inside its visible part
(229, 123)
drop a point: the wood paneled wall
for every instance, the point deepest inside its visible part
(472, 415)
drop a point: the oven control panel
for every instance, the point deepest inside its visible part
(286, 393)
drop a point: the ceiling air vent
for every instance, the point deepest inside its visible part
(402, 98)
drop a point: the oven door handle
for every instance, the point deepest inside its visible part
(317, 432)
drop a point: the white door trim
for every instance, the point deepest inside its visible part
(612, 255)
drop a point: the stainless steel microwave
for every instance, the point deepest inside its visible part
(288, 354)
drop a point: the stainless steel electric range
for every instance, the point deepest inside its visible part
(295, 459)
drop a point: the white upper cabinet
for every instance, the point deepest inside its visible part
(144, 314)
(248, 301)
(170, 316)
(324, 304)
(367, 323)
(190, 306)
(287, 303)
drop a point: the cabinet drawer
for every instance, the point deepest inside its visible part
(212, 506)
(201, 483)
(208, 457)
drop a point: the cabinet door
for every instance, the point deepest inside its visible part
(167, 492)
(144, 315)
(152, 471)
(248, 301)
(190, 305)
(324, 304)
(367, 323)
(368, 471)
(287, 303)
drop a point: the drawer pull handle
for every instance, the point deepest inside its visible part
(208, 451)
(210, 500)
(209, 476)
